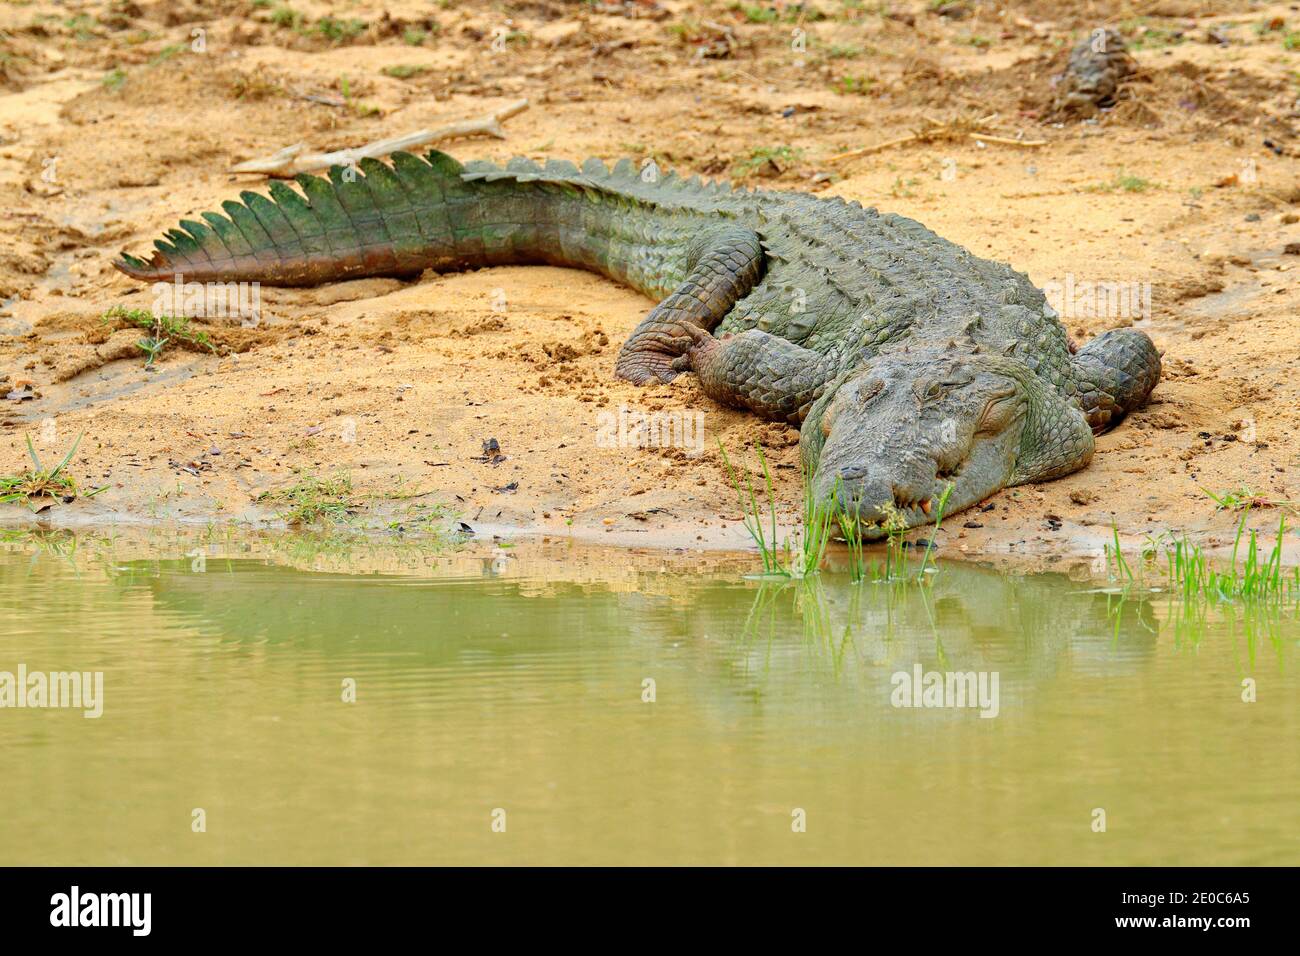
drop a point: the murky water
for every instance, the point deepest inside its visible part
(510, 688)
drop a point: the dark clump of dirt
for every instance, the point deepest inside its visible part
(1094, 76)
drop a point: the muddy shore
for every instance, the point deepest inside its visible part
(114, 125)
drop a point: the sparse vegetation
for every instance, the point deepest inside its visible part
(354, 104)
(82, 26)
(286, 17)
(332, 29)
(803, 551)
(255, 85)
(312, 499)
(1155, 38)
(853, 85)
(42, 482)
(161, 330)
(770, 13)
(339, 31)
(166, 53)
(1245, 497)
(901, 188)
(687, 30)
(939, 508)
(1123, 182)
(844, 51)
(767, 156)
(1259, 577)
(1133, 184)
(425, 519)
(404, 71)
(1252, 575)
(851, 531)
(754, 13)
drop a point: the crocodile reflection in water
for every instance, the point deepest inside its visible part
(966, 617)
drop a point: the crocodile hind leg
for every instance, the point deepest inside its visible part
(764, 373)
(722, 266)
(1115, 373)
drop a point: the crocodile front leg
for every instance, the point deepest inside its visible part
(722, 267)
(1115, 373)
(764, 373)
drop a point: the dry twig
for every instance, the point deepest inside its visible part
(939, 132)
(291, 161)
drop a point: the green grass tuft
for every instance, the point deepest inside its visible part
(853, 85)
(42, 482)
(761, 156)
(161, 330)
(1244, 496)
(1254, 576)
(403, 71)
(802, 553)
(1123, 182)
(312, 499)
(339, 31)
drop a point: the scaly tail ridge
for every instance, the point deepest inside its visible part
(386, 221)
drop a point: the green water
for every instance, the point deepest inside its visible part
(514, 681)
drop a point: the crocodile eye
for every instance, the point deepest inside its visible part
(928, 391)
(998, 414)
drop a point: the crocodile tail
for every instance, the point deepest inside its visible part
(396, 220)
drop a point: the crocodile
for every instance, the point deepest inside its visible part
(915, 370)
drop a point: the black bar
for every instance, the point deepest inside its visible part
(334, 906)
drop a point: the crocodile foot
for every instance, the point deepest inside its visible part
(652, 353)
(645, 367)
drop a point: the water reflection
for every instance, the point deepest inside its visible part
(518, 678)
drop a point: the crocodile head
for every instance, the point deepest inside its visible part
(888, 438)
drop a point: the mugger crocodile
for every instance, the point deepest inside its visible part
(908, 363)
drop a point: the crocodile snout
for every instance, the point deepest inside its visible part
(881, 502)
(911, 431)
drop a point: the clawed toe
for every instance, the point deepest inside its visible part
(645, 368)
(697, 334)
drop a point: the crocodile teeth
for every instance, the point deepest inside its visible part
(925, 505)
